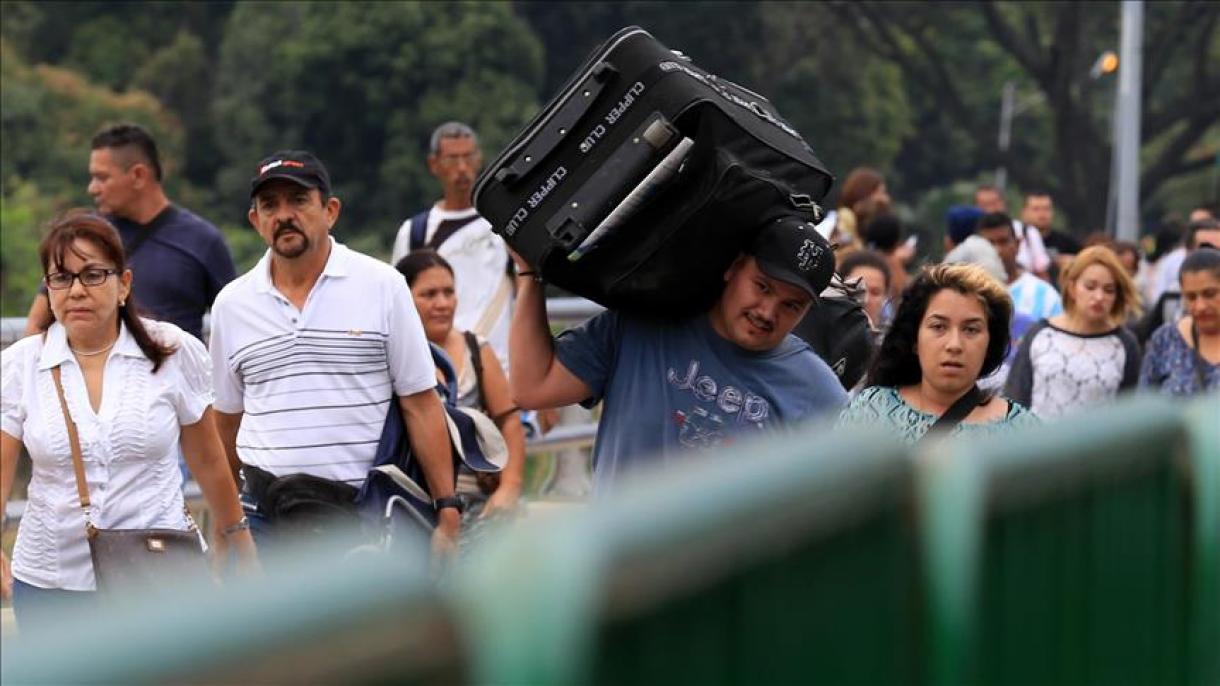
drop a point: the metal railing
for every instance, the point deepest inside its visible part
(562, 312)
(558, 438)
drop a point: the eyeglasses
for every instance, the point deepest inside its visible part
(470, 158)
(93, 276)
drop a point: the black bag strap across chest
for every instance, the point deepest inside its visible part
(957, 412)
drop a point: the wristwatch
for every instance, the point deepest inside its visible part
(448, 501)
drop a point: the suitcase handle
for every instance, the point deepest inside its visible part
(560, 125)
(617, 176)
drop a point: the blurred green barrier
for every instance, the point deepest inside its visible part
(1080, 553)
(1086, 551)
(314, 617)
(1077, 552)
(1204, 473)
(766, 564)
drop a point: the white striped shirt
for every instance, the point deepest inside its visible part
(1034, 297)
(314, 385)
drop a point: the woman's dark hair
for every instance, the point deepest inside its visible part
(897, 363)
(865, 258)
(80, 224)
(1201, 260)
(418, 261)
(883, 233)
(1124, 247)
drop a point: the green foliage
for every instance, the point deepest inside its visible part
(179, 75)
(50, 113)
(851, 117)
(789, 52)
(245, 244)
(101, 49)
(23, 212)
(362, 85)
(167, 48)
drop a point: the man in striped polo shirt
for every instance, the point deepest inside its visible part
(310, 348)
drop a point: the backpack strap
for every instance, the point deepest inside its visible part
(419, 227)
(957, 412)
(447, 228)
(146, 232)
(476, 363)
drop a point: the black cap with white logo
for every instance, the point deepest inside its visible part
(298, 166)
(791, 250)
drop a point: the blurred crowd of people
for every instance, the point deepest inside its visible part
(1091, 316)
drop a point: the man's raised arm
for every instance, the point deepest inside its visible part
(537, 378)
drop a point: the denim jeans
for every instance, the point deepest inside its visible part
(33, 605)
(261, 528)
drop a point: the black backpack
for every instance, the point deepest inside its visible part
(838, 330)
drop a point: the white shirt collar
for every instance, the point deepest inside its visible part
(55, 349)
(336, 265)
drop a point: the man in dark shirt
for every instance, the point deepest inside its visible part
(180, 261)
(1039, 212)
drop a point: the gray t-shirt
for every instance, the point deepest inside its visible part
(670, 388)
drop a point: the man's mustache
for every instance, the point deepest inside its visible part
(761, 322)
(286, 227)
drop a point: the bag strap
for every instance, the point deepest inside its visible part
(447, 228)
(78, 465)
(419, 227)
(146, 232)
(476, 363)
(491, 314)
(957, 411)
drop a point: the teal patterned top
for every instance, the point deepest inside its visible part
(882, 407)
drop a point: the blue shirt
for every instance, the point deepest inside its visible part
(670, 388)
(179, 268)
(1034, 297)
(1171, 365)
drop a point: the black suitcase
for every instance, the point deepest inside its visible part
(597, 154)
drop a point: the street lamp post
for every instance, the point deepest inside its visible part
(1125, 190)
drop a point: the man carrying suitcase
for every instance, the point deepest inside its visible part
(674, 386)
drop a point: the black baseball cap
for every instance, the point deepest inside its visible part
(298, 166)
(791, 250)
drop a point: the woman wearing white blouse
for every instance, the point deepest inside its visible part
(134, 388)
(1084, 356)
